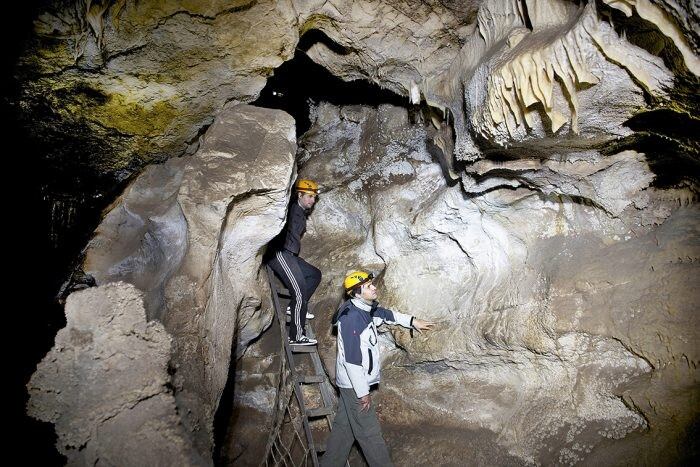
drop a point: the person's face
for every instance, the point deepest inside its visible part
(368, 291)
(307, 200)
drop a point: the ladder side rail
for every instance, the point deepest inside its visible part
(327, 392)
(290, 359)
(282, 398)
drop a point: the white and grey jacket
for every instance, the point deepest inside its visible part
(357, 361)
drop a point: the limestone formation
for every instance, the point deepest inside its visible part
(516, 279)
(163, 70)
(536, 197)
(659, 16)
(522, 71)
(190, 234)
(105, 384)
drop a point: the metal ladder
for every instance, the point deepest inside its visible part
(280, 299)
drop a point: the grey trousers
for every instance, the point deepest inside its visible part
(349, 425)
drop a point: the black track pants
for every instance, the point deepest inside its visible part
(301, 279)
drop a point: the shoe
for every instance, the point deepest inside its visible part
(303, 340)
(308, 315)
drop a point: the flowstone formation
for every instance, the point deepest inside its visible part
(536, 197)
(561, 323)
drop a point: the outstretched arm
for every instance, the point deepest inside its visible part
(404, 320)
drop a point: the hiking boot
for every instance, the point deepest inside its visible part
(303, 340)
(308, 315)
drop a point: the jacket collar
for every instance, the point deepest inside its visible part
(361, 304)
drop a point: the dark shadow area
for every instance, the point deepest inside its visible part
(53, 208)
(34, 315)
(691, 445)
(224, 418)
(58, 205)
(669, 141)
(233, 414)
(301, 80)
(666, 122)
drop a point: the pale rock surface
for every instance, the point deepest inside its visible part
(512, 370)
(547, 72)
(682, 29)
(105, 384)
(562, 70)
(190, 234)
(587, 176)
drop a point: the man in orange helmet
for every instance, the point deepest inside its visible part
(300, 277)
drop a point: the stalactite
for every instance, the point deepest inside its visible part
(652, 13)
(528, 77)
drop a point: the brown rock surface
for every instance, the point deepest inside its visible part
(105, 384)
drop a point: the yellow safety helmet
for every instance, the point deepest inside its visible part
(356, 278)
(306, 186)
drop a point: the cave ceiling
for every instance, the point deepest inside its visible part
(114, 85)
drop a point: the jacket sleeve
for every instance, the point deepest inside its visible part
(394, 317)
(350, 330)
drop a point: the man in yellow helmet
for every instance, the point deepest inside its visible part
(357, 371)
(300, 277)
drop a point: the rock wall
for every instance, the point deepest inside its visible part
(105, 384)
(145, 78)
(190, 235)
(516, 204)
(554, 336)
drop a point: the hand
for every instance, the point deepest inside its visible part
(365, 402)
(422, 325)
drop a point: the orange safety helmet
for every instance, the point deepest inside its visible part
(306, 186)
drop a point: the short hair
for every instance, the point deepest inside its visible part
(355, 290)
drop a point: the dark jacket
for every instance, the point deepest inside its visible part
(290, 237)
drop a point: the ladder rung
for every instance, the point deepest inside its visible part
(319, 412)
(303, 348)
(284, 293)
(310, 379)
